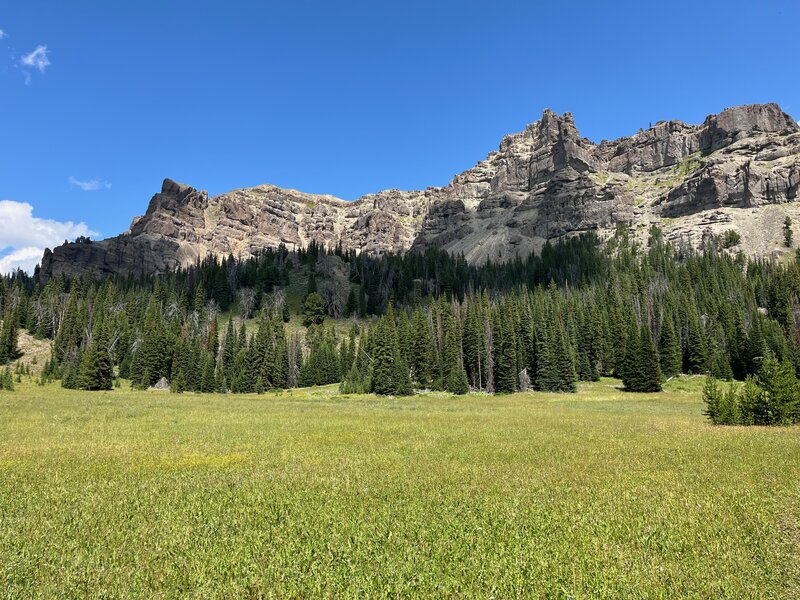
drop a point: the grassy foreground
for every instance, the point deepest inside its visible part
(599, 494)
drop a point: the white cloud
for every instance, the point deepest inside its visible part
(24, 237)
(90, 185)
(2, 34)
(23, 258)
(37, 59)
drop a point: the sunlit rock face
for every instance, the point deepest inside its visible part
(738, 170)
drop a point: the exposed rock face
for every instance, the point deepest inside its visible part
(739, 170)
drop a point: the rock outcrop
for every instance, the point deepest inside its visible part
(739, 170)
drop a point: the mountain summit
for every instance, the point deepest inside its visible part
(738, 170)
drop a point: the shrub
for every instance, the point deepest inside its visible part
(712, 398)
(772, 398)
(731, 238)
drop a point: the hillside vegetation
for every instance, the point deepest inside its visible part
(576, 311)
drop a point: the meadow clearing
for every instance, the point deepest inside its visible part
(306, 493)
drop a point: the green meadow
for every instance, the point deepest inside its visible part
(307, 493)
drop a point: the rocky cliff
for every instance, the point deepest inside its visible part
(738, 170)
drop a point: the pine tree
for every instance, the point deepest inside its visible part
(781, 393)
(230, 350)
(642, 371)
(755, 349)
(352, 304)
(152, 360)
(70, 370)
(194, 365)
(649, 370)
(178, 380)
(212, 337)
(384, 352)
(787, 232)
(720, 366)
(547, 377)
(587, 359)
(505, 355)
(457, 382)
(728, 410)
(736, 344)
(322, 366)
(455, 378)
(362, 302)
(669, 349)
(390, 373)
(207, 380)
(712, 398)
(313, 310)
(9, 334)
(475, 344)
(696, 358)
(628, 368)
(7, 380)
(403, 326)
(67, 337)
(177, 384)
(751, 401)
(355, 382)
(402, 376)
(253, 367)
(347, 353)
(564, 361)
(286, 366)
(96, 367)
(199, 302)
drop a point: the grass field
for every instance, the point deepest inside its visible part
(602, 494)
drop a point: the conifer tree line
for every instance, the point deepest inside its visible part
(772, 397)
(574, 312)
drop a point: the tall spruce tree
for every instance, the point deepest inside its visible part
(564, 361)
(629, 366)
(505, 355)
(547, 377)
(696, 354)
(390, 373)
(96, 367)
(669, 349)
(422, 349)
(9, 335)
(649, 369)
(642, 370)
(7, 380)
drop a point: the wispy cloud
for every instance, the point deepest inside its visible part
(89, 185)
(24, 237)
(38, 59)
(2, 34)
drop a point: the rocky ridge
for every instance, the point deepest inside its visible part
(738, 170)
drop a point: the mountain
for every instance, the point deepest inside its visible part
(738, 170)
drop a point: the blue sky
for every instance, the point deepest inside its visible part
(102, 100)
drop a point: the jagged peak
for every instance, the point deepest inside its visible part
(551, 119)
(537, 186)
(767, 117)
(741, 121)
(170, 186)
